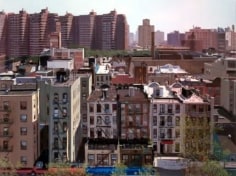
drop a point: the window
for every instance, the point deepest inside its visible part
(177, 108)
(99, 107)
(56, 156)
(91, 120)
(125, 159)
(114, 107)
(23, 131)
(177, 120)
(169, 133)
(91, 108)
(64, 142)
(155, 133)
(3, 86)
(177, 133)
(162, 133)
(64, 127)
(113, 159)
(5, 145)
(23, 145)
(56, 145)
(64, 110)
(56, 98)
(23, 160)
(64, 154)
(23, 118)
(23, 105)
(169, 107)
(162, 108)
(84, 85)
(84, 118)
(56, 112)
(99, 120)
(154, 120)
(177, 147)
(154, 108)
(148, 158)
(92, 132)
(91, 159)
(6, 105)
(169, 121)
(64, 97)
(162, 120)
(201, 108)
(107, 120)
(106, 108)
(55, 129)
(231, 64)
(84, 96)
(84, 130)
(5, 131)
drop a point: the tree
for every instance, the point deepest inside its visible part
(213, 168)
(120, 169)
(7, 168)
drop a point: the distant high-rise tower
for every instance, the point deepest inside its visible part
(111, 32)
(26, 34)
(145, 34)
(18, 29)
(207, 36)
(159, 37)
(3, 32)
(108, 30)
(84, 29)
(121, 33)
(66, 30)
(38, 36)
(175, 38)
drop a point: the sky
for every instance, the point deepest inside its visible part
(165, 15)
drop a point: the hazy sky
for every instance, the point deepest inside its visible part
(165, 15)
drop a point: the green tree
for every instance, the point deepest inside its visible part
(213, 168)
(120, 169)
(7, 168)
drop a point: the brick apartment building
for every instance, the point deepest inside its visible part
(19, 115)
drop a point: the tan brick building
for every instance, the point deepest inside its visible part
(19, 137)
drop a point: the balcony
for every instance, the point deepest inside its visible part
(5, 108)
(6, 120)
(6, 148)
(6, 134)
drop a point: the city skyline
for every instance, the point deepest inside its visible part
(168, 16)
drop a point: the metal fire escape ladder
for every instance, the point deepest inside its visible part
(61, 130)
(6, 121)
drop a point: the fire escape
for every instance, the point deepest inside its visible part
(104, 127)
(103, 124)
(134, 123)
(5, 134)
(60, 116)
